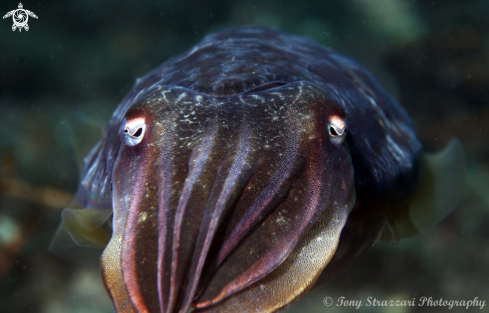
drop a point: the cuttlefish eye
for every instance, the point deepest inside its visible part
(337, 130)
(134, 131)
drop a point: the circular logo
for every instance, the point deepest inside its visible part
(327, 301)
(20, 18)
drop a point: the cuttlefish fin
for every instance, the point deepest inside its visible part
(80, 228)
(85, 132)
(388, 233)
(86, 226)
(441, 187)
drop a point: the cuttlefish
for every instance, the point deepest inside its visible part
(236, 175)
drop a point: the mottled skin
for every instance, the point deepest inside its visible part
(236, 197)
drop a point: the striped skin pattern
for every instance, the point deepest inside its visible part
(235, 198)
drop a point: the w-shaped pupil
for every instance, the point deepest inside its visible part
(333, 131)
(138, 132)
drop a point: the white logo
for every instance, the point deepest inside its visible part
(20, 17)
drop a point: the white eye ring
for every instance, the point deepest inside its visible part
(337, 130)
(134, 131)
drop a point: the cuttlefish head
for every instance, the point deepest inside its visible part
(228, 204)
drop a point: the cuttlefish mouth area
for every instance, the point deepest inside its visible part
(226, 205)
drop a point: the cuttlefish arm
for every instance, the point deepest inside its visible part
(226, 197)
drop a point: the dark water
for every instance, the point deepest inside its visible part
(78, 59)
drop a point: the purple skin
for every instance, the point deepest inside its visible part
(234, 194)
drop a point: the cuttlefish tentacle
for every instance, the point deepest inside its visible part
(167, 130)
(192, 191)
(222, 196)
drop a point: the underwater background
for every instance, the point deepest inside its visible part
(61, 80)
